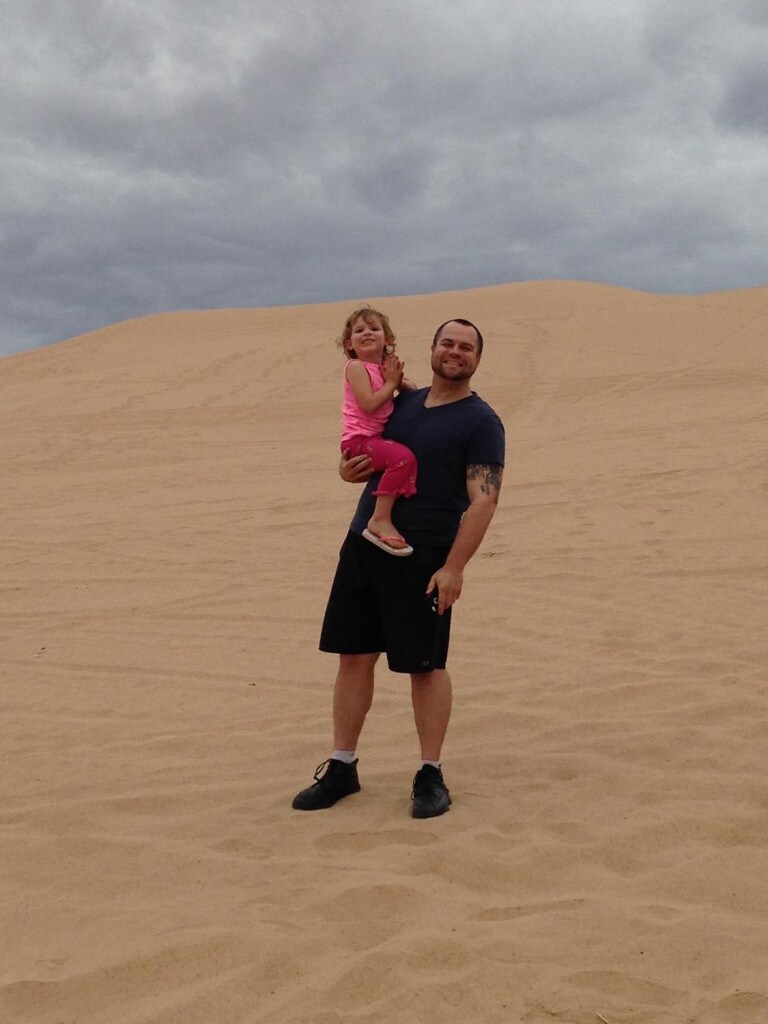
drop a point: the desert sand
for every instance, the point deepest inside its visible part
(171, 515)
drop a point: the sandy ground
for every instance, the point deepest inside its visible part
(171, 515)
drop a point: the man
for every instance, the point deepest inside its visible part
(402, 606)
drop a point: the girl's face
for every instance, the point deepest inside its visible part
(367, 340)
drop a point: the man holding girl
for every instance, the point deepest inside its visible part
(402, 606)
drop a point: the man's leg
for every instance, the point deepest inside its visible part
(352, 696)
(431, 698)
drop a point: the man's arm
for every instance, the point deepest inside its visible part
(483, 486)
(355, 470)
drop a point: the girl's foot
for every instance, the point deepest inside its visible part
(385, 536)
(386, 528)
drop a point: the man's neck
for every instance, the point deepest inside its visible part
(443, 391)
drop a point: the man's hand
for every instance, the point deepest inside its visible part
(355, 470)
(449, 584)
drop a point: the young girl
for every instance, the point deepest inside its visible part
(372, 376)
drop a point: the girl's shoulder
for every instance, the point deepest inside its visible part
(359, 368)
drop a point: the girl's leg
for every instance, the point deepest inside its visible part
(381, 523)
(398, 479)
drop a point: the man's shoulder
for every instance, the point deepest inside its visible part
(407, 399)
(488, 435)
(411, 394)
(481, 403)
(482, 411)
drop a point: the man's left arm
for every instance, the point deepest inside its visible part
(483, 486)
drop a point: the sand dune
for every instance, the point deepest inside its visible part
(170, 521)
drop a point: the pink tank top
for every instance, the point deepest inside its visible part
(355, 422)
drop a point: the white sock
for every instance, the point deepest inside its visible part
(347, 756)
(435, 764)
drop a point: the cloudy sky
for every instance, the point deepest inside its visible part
(179, 154)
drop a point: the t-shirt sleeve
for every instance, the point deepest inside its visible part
(487, 442)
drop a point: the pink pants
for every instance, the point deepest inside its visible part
(397, 462)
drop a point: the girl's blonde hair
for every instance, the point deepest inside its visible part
(368, 314)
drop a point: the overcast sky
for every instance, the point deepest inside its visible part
(178, 154)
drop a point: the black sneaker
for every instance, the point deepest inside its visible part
(430, 794)
(339, 780)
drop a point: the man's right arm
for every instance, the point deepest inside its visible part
(355, 470)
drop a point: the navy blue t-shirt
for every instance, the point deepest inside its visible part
(445, 440)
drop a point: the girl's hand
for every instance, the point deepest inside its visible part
(392, 370)
(406, 384)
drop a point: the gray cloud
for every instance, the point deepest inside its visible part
(745, 99)
(167, 154)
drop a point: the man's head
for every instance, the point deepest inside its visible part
(456, 350)
(463, 323)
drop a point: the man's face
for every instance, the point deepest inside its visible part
(454, 354)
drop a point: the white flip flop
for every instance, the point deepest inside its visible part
(381, 542)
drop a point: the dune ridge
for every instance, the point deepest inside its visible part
(171, 517)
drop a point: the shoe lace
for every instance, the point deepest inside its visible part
(319, 769)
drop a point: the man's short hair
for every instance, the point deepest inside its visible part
(464, 323)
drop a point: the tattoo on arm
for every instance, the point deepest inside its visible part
(489, 476)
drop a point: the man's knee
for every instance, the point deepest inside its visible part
(437, 675)
(353, 667)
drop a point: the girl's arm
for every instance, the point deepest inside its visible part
(368, 399)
